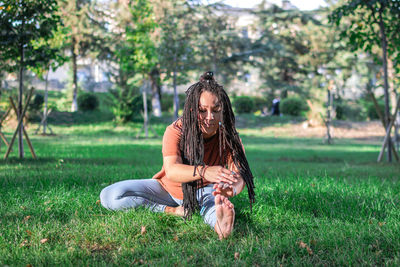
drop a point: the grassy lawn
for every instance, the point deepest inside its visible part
(316, 204)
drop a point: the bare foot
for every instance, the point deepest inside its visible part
(177, 211)
(225, 216)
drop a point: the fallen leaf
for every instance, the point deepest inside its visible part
(98, 202)
(143, 230)
(44, 240)
(176, 238)
(47, 202)
(27, 218)
(237, 255)
(304, 245)
(29, 232)
(29, 265)
(24, 243)
(23, 207)
(381, 224)
(48, 209)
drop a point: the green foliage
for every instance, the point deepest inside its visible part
(34, 108)
(167, 103)
(350, 110)
(371, 110)
(293, 106)
(260, 103)
(36, 102)
(23, 23)
(128, 106)
(87, 101)
(243, 104)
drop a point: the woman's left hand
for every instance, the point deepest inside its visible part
(223, 189)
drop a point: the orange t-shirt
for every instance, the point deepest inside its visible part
(170, 147)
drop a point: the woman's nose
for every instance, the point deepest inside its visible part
(210, 115)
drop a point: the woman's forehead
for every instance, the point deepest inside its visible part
(208, 99)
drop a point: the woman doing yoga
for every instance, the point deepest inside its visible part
(204, 164)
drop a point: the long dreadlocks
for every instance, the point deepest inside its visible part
(192, 143)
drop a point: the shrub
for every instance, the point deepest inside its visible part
(34, 107)
(36, 102)
(87, 102)
(260, 103)
(349, 111)
(128, 107)
(371, 110)
(243, 104)
(292, 106)
(167, 102)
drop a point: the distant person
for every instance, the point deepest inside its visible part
(204, 164)
(275, 107)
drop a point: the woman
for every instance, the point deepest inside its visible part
(204, 164)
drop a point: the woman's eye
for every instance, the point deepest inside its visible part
(202, 110)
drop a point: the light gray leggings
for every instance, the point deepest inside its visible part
(150, 194)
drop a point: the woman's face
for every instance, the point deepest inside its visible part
(209, 114)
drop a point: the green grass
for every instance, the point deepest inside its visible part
(335, 199)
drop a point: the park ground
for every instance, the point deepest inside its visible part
(316, 204)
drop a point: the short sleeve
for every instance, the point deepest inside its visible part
(171, 139)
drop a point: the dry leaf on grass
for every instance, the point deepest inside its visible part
(24, 243)
(29, 232)
(44, 240)
(143, 230)
(98, 202)
(27, 218)
(304, 245)
(176, 238)
(237, 255)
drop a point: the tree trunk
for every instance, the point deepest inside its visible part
(20, 94)
(45, 101)
(145, 115)
(385, 79)
(74, 105)
(176, 98)
(329, 117)
(155, 98)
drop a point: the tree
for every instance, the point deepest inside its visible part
(54, 58)
(282, 46)
(22, 22)
(218, 43)
(83, 35)
(175, 48)
(373, 23)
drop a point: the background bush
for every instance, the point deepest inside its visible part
(34, 108)
(292, 106)
(348, 110)
(371, 110)
(167, 102)
(87, 102)
(243, 104)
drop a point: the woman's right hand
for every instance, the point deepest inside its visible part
(217, 174)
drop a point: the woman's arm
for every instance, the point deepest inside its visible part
(182, 173)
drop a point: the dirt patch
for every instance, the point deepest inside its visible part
(372, 130)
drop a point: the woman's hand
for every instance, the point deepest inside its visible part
(218, 174)
(224, 189)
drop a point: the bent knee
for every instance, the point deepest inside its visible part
(106, 198)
